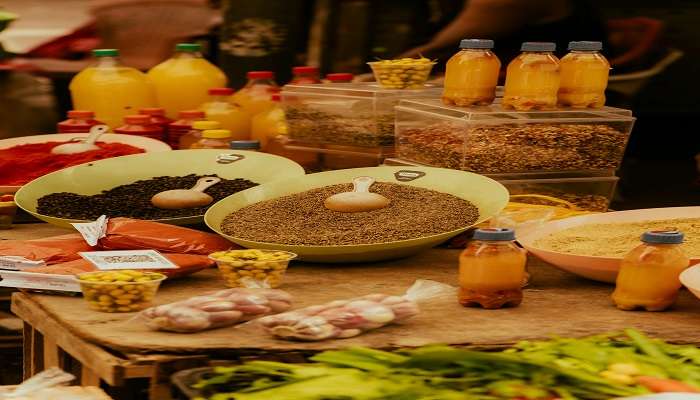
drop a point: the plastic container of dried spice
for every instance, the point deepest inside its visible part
(354, 114)
(492, 140)
(333, 156)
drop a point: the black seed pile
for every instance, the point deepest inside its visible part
(134, 200)
(302, 219)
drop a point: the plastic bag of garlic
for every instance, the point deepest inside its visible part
(347, 318)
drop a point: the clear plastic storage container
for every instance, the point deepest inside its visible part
(330, 157)
(357, 114)
(492, 140)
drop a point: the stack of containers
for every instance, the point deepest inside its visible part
(554, 138)
(344, 125)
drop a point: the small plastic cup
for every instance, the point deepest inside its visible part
(8, 209)
(115, 296)
(264, 266)
(401, 75)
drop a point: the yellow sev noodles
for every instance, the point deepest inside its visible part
(615, 240)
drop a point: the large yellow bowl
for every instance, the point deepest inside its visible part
(488, 195)
(92, 178)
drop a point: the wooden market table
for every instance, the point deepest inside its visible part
(118, 350)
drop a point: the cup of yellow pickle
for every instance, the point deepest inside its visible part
(119, 290)
(263, 266)
(403, 73)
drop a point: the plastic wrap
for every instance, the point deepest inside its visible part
(217, 309)
(347, 318)
(51, 250)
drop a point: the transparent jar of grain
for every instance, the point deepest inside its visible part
(648, 276)
(532, 78)
(472, 74)
(492, 270)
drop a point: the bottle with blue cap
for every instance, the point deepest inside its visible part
(492, 270)
(584, 76)
(471, 75)
(648, 277)
(532, 78)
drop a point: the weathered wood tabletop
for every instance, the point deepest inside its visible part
(556, 303)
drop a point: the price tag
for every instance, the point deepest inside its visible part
(92, 231)
(17, 263)
(128, 259)
(31, 280)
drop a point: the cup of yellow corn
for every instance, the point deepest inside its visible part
(262, 266)
(119, 290)
(403, 73)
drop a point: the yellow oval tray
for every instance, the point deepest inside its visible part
(488, 195)
(94, 177)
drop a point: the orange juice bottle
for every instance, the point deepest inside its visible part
(256, 96)
(339, 77)
(648, 276)
(472, 74)
(532, 78)
(230, 116)
(110, 89)
(584, 76)
(269, 124)
(305, 74)
(492, 270)
(182, 82)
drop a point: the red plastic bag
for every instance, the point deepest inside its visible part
(52, 250)
(187, 264)
(134, 234)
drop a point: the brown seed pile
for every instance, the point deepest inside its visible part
(302, 219)
(515, 147)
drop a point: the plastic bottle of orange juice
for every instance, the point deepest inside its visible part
(269, 124)
(256, 96)
(532, 78)
(584, 76)
(648, 276)
(472, 74)
(110, 89)
(492, 270)
(230, 116)
(182, 82)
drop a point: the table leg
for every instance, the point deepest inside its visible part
(88, 377)
(27, 351)
(52, 354)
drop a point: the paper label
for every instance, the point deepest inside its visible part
(128, 259)
(30, 280)
(406, 176)
(92, 231)
(17, 263)
(229, 158)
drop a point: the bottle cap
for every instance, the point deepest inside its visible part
(495, 234)
(244, 144)
(188, 47)
(105, 52)
(204, 125)
(221, 91)
(260, 75)
(585, 46)
(340, 77)
(670, 236)
(538, 46)
(153, 111)
(216, 133)
(139, 119)
(276, 97)
(81, 114)
(191, 114)
(305, 69)
(476, 44)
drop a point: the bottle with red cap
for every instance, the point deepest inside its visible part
(158, 117)
(340, 77)
(304, 75)
(256, 96)
(177, 129)
(231, 116)
(79, 121)
(140, 125)
(269, 124)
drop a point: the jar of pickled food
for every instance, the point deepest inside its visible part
(648, 276)
(472, 74)
(532, 78)
(214, 139)
(492, 270)
(195, 134)
(584, 76)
